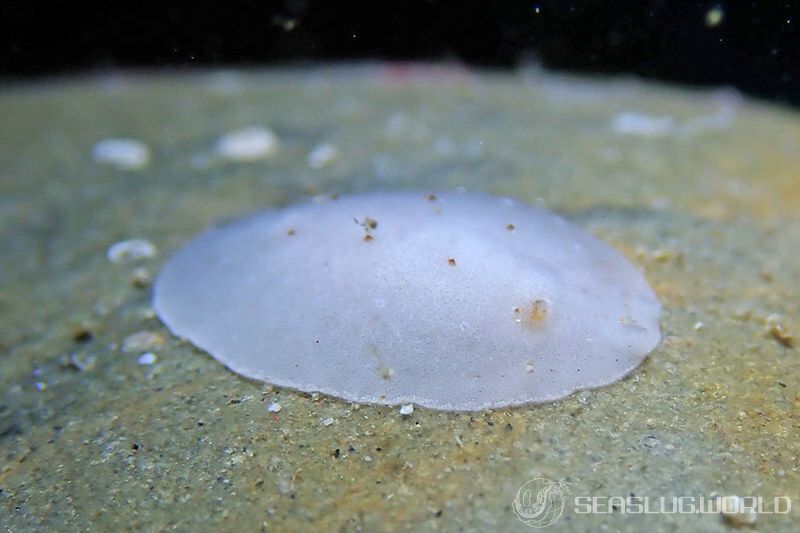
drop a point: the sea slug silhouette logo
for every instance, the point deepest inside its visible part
(546, 506)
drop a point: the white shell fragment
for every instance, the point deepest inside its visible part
(147, 358)
(131, 250)
(125, 154)
(450, 301)
(248, 144)
(142, 341)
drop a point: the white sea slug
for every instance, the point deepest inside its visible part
(450, 301)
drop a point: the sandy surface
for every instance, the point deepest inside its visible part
(701, 189)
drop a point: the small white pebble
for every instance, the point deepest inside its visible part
(322, 156)
(147, 358)
(131, 250)
(142, 341)
(406, 409)
(125, 154)
(141, 277)
(327, 421)
(529, 367)
(367, 459)
(274, 407)
(736, 511)
(698, 326)
(248, 144)
(285, 483)
(82, 362)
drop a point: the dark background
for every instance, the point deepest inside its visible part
(753, 47)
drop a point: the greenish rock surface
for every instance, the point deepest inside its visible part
(699, 188)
